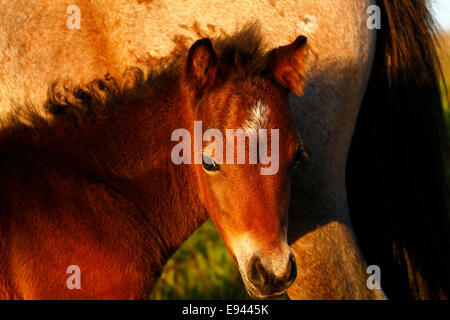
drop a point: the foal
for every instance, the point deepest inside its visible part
(95, 187)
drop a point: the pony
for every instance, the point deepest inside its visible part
(373, 191)
(103, 195)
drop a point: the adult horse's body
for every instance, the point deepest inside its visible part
(36, 47)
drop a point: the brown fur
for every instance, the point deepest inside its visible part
(37, 48)
(101, 191)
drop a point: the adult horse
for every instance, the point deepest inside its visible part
(385, 204)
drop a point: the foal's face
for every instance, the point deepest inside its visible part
(249, 202)
(248, 198)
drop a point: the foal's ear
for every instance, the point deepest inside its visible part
(201, 67)
(286, 64)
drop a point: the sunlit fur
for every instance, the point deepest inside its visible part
(257, 118)
(36, 48)
(94, 185)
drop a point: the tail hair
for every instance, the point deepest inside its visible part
(397, 181)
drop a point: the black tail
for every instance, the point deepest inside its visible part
(396, 172)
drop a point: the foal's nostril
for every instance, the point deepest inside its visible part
(258, 275)
(266, 281)
(292, 269)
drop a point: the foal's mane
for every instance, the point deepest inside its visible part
(104, 97)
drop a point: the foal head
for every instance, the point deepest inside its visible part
(245, 187)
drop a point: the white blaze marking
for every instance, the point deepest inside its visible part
(258, 118)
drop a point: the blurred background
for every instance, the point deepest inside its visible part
(203, 268)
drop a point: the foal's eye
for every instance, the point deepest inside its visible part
(209, 164)
(300, 158)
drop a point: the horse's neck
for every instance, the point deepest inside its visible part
(131, 155)
(141, 167)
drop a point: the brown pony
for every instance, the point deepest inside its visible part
(102, 193)
(371, 195)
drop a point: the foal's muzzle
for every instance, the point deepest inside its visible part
(265, 282)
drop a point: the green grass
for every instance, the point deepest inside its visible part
(446, 96)
(202, 268)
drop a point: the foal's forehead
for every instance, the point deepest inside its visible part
(258, 117)
(254, 104)
(262, 104)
